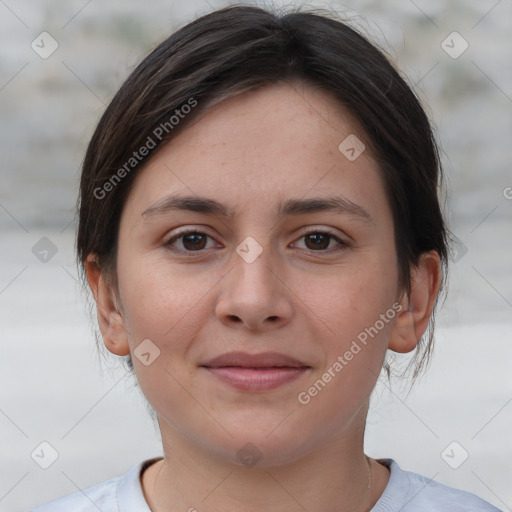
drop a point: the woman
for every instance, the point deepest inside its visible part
(259, 223)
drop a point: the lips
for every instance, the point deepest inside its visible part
(262, 360)
(255, 372)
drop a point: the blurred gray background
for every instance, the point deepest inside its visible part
(52, 388)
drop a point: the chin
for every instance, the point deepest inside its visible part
(253, 447)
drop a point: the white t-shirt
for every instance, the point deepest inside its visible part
(405, 492)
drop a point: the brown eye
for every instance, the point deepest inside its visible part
(322, 241)
(317, 240)
(189, 241)
(194, 241)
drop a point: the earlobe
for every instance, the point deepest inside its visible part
(418, 305)
(110, 319)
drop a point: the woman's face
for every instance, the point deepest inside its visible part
(293, 254)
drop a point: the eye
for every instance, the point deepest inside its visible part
(322, 240)
(191, 240)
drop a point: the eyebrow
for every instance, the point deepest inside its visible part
(335, 204)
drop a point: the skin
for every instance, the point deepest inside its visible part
(251, 153)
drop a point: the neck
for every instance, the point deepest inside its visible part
(337, 477)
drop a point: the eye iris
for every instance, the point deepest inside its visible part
(197, 239)
(320, 240)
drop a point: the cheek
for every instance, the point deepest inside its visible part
(162, 305)
(356, 309)
(352, 297)
(159, 302)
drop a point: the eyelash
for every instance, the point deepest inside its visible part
(342, 244)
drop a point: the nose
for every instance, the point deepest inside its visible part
(255, 295)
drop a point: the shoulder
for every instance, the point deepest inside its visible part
(410, 492)
(118, 494)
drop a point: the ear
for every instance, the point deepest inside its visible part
(417, 306)
(110, 319)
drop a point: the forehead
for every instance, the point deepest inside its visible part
(272, 143)
(290, 110)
